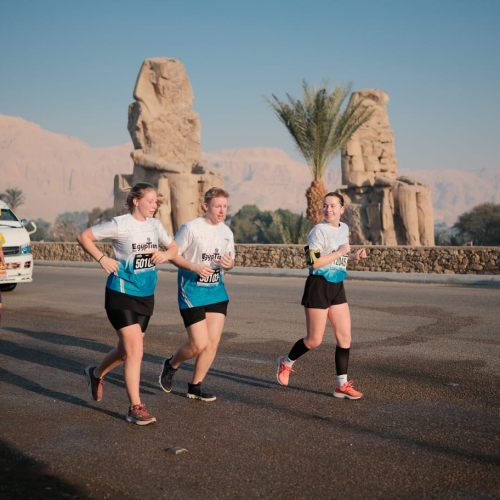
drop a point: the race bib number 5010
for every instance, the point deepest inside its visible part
(212, 280)
(143, 262)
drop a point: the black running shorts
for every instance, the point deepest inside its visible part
(196, 314)
(117, 300)
(321, 294)
(125, 310)
(120, 318)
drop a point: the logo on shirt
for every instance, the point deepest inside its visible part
(210, 257)
(142, 247)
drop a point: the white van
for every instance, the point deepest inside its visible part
(16, 249)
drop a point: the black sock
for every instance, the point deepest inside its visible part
(341, 360)
(298, 350)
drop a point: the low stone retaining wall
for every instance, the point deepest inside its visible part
(438, 260)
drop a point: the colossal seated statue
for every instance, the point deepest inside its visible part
(382, 208)
(166, 134)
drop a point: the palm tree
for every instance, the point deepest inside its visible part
(287, 228)
(320, 129)
(14, 197)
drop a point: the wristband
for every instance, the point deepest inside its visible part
(99, 261)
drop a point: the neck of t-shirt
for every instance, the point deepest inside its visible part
(209, 222)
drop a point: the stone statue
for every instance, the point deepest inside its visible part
(166, 134)
(382, 209)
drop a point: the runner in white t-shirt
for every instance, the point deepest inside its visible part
(206, 249)
(129, 299)
(328, 252)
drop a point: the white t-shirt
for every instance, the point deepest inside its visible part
(324, 239)
(133, 242)
(200, 242)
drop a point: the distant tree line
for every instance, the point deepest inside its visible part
(68, 225)
(478, 227)
(251, 225)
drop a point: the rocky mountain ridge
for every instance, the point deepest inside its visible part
(61, 174)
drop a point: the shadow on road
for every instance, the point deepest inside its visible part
(23, 477)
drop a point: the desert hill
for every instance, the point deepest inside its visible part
(60, 174)
(57, 173)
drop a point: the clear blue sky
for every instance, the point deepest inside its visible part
(71, 67)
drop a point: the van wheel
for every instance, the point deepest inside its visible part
(8, 288)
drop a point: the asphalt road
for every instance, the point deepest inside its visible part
(426, 356)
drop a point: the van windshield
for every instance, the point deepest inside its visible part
(8, 218)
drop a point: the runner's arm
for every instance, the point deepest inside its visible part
(203, 270)
(162, 257)
(87, 242)
(324, 260)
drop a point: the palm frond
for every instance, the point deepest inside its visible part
(317, 124)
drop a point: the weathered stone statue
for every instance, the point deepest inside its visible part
(166, 133)
(382, 209)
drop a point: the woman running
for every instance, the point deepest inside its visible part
(206, 246)
(324, 297)
(129, 298)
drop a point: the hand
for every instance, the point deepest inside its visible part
(109, 265)
(159, 257)
(203, 270)
(360, 254)
(227, 262)
(2, 265)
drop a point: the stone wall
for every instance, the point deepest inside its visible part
(438, 260)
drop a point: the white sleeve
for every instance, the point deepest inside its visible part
(183, 239)
(164, 237)
(316, 239)
(346, 233)
(105, 230)
(229, 246)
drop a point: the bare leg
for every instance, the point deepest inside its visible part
(113, 359)
(198, 338)
(214, 326)
(132, 340)
(316, 323)
(340, 318)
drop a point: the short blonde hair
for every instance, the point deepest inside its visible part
(215, 192)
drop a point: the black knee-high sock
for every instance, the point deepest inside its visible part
(341, 360)
(297, 350)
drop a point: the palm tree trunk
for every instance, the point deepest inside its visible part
(315, 194)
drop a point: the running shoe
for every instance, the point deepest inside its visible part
(94, 384)
(283, 372)
(138, 414)
(347, 391)
(166, 375)
(196, 392)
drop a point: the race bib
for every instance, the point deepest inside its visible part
(340, 262)
(212, 280)
(143, 262)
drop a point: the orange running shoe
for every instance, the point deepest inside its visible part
(347, 391)
(138, 414)
(283, 372)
